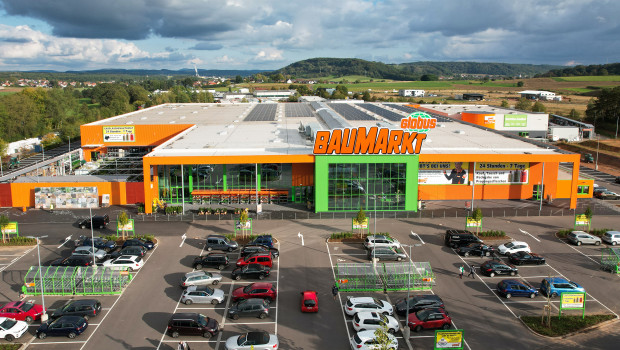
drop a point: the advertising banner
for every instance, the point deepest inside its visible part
(10, 228)
(443, 173)
(470, 222)
(502, 173)
(582, 220)
(452, 339)
(119, 134)
(515, 120)
(66, 197)
(357, 225)
(573, 301)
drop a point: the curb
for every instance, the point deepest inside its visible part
(565, 336)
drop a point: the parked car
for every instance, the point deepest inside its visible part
(376, 241)
(309, 301)
(494, 267)
(360, 304)
(612, 237)
(522, 258)
(85, 308)
(131, 250)
(69, 326)
(366, 340)
(22, 311)
(608, 195)
(513, 247)
(217, 260)
(618, 179)
(418, 302)
(266, 240)
(192, 324)
(255, 290)
(253, 341)
(200, 278)
(202, 295)
(11, 329)
(219, 242)
(254, 307)
(256, 258)
(598, 190)
(429, 319)
(385, 254)
(512, 287)
(479, 249)
(457, 238)
(139, 242)
(88, 252)
(251, 271)
(580, 237)
(554, 286)
(249, 249)
(100, 243)
(374, 320)
(98, 221)
(73, 260)
(129, 262)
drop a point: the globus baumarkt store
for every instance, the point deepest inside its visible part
(335, 157)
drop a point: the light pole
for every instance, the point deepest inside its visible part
(598, 140)
(44, 315)
(92, 235)
(406, 329)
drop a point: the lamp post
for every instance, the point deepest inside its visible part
(598, 139)
(92, 235)
(406, 329)
(44, 315)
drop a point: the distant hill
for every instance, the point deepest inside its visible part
(321, 67)
(595, 69)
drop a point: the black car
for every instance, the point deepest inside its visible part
(69, 326)
(495, 267)
(98, 221)
(251, 307)
(458, 238)
(251, 271)
(258, 248)
(418, 302)
(217, 260)
(100, 243)
(73, 260)
(192, 324)
(520, 258)
(479, 249)
(264, 240)
(220, 242)
(139, 242)
(84, 308)
(131, 250)
(618, 179)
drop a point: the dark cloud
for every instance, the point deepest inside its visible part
(206, 46)
(16, 40)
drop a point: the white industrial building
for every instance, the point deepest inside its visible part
(540, 95)
(274, 94)
(411, 93)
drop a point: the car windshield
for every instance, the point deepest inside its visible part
(311, 303)
(377, 301)
(202, 320)
(384, 318)
(8, 324)
(246, 289)
(357, 339)
(27, 306)
(242, 339)
(209, 291)
(509, 245)
(423, 314)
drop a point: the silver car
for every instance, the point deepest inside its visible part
(381, 241)
(580, 237)
(253, 341)
(200, 278)
(202, 295)
(88, 250)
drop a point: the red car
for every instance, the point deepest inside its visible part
(261, 290)
(309, 301)
(257, 258)
(22, 311)
(429, 319)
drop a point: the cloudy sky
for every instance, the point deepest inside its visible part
(269, 34)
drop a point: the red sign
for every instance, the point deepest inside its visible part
(375, 141)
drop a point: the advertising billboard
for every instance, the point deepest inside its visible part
(502, 173)
(443, 173)
(515, 120)
(119, 134)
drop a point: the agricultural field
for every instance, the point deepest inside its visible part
(590, 78)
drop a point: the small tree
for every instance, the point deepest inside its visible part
(539, 107)
(477, 216)
(123, 220)
(382, 338)
(524, 104)
(243, 219)
(520, 84)
(4, 221)
(360, 218)
(505, 104)
(588, 213)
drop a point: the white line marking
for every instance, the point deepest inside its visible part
(191, 341)
(527, 233)
(344, 317)
(63, 243)
(183, 241)
(60, 342)
(249, 323)
(17, 258)
(278, 280)
(417, 235)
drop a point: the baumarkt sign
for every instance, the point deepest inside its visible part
(376, 140)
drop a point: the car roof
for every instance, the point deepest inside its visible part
(259, 285)
(513, 281)
(368, 314)
(377, 236)
(556, 280)
(579, 232)
(613, 232)
(184, 315)
(309, 293)
(261, 336)
(216, 236)
(129, 257)
(195, 273)
(516, 242)
(14, 304)
(362, 299)
(254, 301)
(83, 301)
(68, 318)
(366, 335)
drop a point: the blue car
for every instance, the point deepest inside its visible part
(555, 286)
(139, 242)
(69, 326)
(100, 243)
(516, 288)
(264, 240)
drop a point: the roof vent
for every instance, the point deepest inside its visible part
(173, 122)
(461, 132)
(195, 112)
(223, 132)
(143, 118)
(129, 122)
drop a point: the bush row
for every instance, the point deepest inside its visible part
(19, 241)
(492, 233)
(144, 237)
(595, 232)
(219, 211)
(174, 209)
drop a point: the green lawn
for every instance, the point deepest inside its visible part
(564, 325)
(388, 86)
(13, 346)
(579, 90)
(590, 78)
(84, 100)
(3, 93)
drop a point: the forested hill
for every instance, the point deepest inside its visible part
(322, 67)
(594, 69)
(125, 74)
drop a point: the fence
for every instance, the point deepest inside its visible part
(63, 280)
(364, 277)
(610, 259)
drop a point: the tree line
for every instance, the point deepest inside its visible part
(580, 70)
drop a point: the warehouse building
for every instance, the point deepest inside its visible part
(386, 157)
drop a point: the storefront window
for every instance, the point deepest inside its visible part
(583, 189)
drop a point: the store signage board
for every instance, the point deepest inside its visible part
(582, 220)
(573, 301)
(119, 134)
(515, 120)
(501, 173)
(470, 222)
(443, 173)
(358, 226)
(452, 339)
(375, 140)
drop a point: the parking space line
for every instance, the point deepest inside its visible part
(250, 323)
(59, 342)
(422, 336)
(15, 259)
(277, 295)
(191, 341)
(530, 301)
(352, 254)
(344, 317)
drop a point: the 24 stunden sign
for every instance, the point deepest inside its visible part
(376, 140)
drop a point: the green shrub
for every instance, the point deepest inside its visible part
(564, 232)
(145, 237)
(110, 238)
(19, 241)
(341, 235)
(595, 232)
(140, 207)
(492, 233)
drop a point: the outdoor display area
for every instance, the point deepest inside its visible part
(63, 280)
(366, 277)
(66, 197)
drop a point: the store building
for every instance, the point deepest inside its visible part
(307, 153)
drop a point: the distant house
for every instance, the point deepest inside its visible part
(411, 93)
(473, 97)
(540, 95)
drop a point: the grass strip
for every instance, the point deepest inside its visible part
(564, 325)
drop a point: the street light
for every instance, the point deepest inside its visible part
(44, 315)
(406, 328)
(92, 235)
(598, 139)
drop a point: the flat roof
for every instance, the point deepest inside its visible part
(220, 130)
(454, 109)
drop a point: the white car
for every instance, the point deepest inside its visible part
(513, 247)
(376, 241)
(253, 341)
(11, 329)
(612, 237)
(202, 294)
(88, 251)
(129, 262)
(361, 304)
(200, 278)
(365, 340)
(374, 320)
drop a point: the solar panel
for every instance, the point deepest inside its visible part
(298, 110)
(389, 115)
(410, 110)
(349, 112)
(262, 113)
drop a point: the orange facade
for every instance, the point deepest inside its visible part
(23, 193)
(483, 119)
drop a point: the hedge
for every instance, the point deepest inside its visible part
(17, 241)
(595, 232)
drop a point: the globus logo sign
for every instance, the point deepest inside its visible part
(419, 122)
